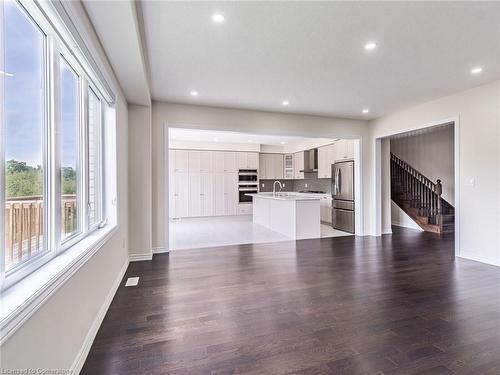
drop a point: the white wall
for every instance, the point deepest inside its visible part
(431, 153)
(401, 219)
(478, 112)
(139, 182)
(54, 335)
(255, 122)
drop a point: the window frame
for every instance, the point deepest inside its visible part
(54, 49)
(99, 160)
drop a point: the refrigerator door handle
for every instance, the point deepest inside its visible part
(336, 181)
(339, 183)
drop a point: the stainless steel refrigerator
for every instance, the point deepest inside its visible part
(343, 196)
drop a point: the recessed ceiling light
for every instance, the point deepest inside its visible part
(366, 110)
(285, 103)
(282, 142)
(249, 141)
(216, 139)
(217, 18)
(194, 93)
(476, 70)
(370, 46)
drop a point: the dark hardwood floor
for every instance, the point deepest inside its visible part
(399, 304)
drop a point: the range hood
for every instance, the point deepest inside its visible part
(310, 161)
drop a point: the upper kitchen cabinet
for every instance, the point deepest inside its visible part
(206, 161)
(230, 163)
(194, 161)
(288, 173)
(218, 157)
(253, 160)
(344, 149)
(324, 161)
(180, 160)
(248, 160)
(271, 166)
(298, 165)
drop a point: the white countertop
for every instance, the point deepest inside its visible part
(290, 196)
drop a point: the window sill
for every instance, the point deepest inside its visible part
(19, 302)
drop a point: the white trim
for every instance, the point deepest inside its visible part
(79, 361)
(39, 289)
(159, 250)
(140, 257)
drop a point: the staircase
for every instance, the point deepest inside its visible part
(420, 198)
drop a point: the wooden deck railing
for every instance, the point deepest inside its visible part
(24, 225)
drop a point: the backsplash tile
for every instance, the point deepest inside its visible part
(311, 179)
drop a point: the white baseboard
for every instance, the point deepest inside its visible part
(140, 257)
(89, 339)
(159, 250)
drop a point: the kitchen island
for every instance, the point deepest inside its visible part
(295, 215)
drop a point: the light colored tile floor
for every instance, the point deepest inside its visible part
(193, 233)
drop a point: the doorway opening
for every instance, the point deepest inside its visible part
(221, 183)
(417, 172)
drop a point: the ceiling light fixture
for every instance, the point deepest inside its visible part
(366, 110)
(370, 46)
(216, 140)
(6, 74)
(285, 103)
(194, 93)
(476, 70)
(217, 18)
(249, 141)
(282, 142)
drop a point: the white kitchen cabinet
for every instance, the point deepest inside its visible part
(207, 194)
(253, 160)
(242, 160)
(271, 166)
(194, 161)
(230, 193)
(230, 162)
(247, 160)
(323, 161)
(278, 166)
(344, 149)
(194, 204)
(206, 161)
(326, 209)
(298, 165)
(244, 209)
(219, 196)
(218, 160)
(288, 172)
(181, 195)
(180, 160)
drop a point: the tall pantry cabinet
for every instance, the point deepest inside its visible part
(205, 183)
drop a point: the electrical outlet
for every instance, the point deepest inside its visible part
(305, 185)
(262, 185)
(284, 184)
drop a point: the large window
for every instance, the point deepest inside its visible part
(68, 145)
(51, 147)
(24, 127)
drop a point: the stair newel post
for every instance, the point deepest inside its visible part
(439, 192)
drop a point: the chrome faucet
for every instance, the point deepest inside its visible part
(274, 186)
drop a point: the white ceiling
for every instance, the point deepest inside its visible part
(195, 135)
(311, 53)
